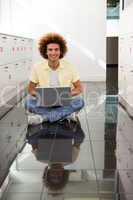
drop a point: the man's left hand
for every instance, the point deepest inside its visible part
(75, 92)
(77, 88)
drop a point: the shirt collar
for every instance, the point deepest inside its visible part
(61, 66)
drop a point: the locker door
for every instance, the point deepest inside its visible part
(5, 49)
(30, 47)
(22, 41)
(130, 73)
(1, 50)
(14, 49)
(4, 73)
(18, 71)
(121, 66)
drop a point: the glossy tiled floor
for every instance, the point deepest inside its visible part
(93, 176)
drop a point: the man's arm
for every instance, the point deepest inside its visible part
(32, 88)
(77, 88)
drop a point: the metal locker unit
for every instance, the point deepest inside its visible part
(126, 58)
(124, 155)
(126, 72)
(4, 56)
(14, 48)
(15, 63)
(13, 128)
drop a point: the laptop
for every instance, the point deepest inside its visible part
(51, 97)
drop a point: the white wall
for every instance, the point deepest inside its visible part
(82, 23)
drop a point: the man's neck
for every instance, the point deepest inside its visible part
(53, 65)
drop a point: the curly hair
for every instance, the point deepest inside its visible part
(51, 184)
(52, 38)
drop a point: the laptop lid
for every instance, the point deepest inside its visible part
(50, 97)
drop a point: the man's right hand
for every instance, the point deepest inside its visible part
(33, 93)
(32, 89)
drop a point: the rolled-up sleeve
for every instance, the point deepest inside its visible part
(75, 75)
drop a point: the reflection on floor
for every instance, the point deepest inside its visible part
(92, 169)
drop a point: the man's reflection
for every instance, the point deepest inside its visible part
(55, 177)
(57, 144)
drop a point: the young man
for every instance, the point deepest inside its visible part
(54, 71)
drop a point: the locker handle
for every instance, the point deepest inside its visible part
(130, 150)
(11, 124)
(128, 175)
(9, 138)
(4, 37)
(131, 70)
(19, 124)
(10, 76)
(6, 67)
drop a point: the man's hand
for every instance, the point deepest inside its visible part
(77, 88)
(75, 92)
(33, 93)
(32, 89)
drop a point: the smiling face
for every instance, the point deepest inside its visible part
(53, 52)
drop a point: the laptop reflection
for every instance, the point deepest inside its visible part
(56, 142)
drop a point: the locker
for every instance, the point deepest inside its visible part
(5, 49)
(14, 49)
(125, 127)
(29, 66)
(15, 61)
(22, 44)
(129, 88)
(126, 181)
(126, 70)
(24, 72)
